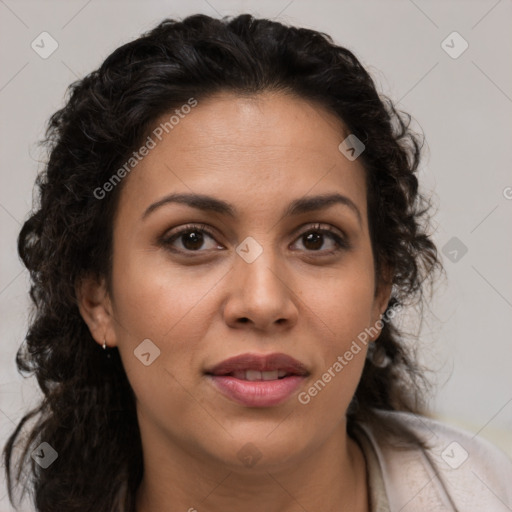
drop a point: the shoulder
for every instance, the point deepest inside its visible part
(453, 470)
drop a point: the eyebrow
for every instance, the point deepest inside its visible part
(296, 207)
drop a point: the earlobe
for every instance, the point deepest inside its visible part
(385, 298)
(95, 308)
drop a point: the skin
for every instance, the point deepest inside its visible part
(258, 153)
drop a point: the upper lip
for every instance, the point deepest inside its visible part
(262, 363)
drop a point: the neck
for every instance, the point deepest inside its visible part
(331, 478)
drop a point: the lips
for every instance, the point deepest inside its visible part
(254, 367)
(258, 381)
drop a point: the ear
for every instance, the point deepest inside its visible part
(381, 300)
(96, 309)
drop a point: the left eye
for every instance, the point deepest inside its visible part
(314, 237)
(192, 238)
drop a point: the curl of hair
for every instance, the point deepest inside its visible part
(87, 412)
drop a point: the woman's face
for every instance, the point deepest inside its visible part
(263, 280)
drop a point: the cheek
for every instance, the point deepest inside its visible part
(156, 298)
(168, 307)
(342, 312)
(343, 303)
(157, 302)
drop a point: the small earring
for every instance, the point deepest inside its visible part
(104, 344)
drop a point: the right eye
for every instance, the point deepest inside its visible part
(191, 237)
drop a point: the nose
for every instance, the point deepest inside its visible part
(261, 293)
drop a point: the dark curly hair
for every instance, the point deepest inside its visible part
(88, 412)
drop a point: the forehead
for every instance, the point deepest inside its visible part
(266, 122)
(247, 149)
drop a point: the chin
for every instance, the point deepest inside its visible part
(264, 450)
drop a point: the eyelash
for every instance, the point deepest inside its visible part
(341, 243)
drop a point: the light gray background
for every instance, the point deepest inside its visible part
(463, 105)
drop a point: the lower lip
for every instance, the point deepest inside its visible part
(259, 393)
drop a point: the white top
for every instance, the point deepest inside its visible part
(458, 472)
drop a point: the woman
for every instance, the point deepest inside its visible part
(228, 227)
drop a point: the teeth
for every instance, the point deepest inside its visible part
(254, 375)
